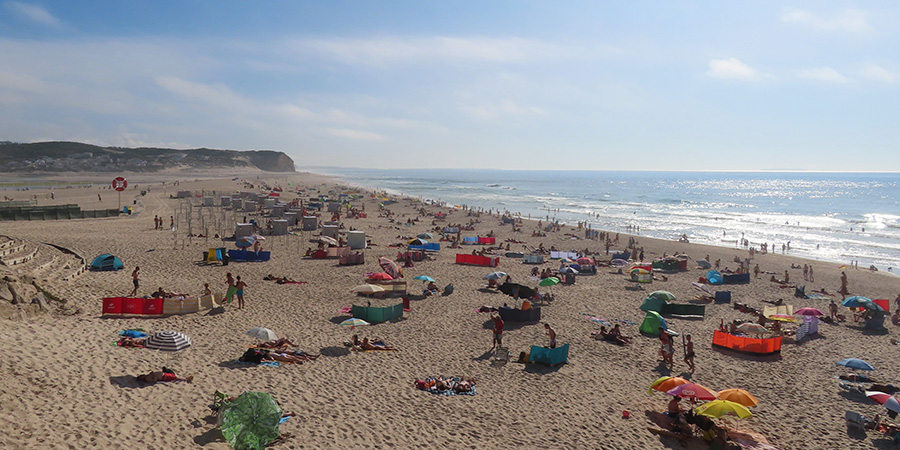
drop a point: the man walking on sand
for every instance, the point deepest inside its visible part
(240, 285)
(134, 280)
(498, 332)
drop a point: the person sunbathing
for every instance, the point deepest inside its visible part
(155, 377)
(277, 343)
(132, 342)
(617, 332)
(378, 345)
(464, 385)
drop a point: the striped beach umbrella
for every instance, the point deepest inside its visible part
(169, 341)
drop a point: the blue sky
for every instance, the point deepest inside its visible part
(810, 85)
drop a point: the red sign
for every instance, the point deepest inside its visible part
(119, 184)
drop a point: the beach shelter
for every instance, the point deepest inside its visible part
(714, 277)
(653, 304)
(418, 241)
(250, 421)
(107, 262)
(652, 322)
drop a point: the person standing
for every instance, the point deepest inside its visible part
(134, 280)
(552, 334)
(239, 286)
(833, 309)
(689, 353)
(498, 331)
(229, 293)
(844, 290)
(811, 277)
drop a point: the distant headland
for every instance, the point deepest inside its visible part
(79, 157)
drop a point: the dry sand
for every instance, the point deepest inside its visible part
(62, 385)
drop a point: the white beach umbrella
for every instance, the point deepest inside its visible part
(262, 334)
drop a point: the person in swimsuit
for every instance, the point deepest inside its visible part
(155, 377)
(239, 291)
(552, 335)
(689, 353)
(229, 281)
(134, 280)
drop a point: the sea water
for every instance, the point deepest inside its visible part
(837, 217)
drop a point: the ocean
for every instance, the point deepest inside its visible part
(836, 217)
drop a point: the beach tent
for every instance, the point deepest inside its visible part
(653, 304)
(107, 262)
(714, 277)
(652, 322)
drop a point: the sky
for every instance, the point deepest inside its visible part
(588, 85)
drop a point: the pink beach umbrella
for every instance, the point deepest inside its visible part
(809, 312)
(693, 391)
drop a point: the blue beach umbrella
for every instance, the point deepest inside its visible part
(244, 242)
(425, 278)
(494, 275)
(855, 363)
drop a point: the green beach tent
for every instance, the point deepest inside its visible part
(107, 262)
(652, 322)
(653, 304)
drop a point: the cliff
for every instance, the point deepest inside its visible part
(80, 157)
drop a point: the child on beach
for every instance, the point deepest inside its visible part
(229, 281)
(239, 291)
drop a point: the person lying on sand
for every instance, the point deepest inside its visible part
(276, 343)
(609, 336)
(155, 377)
(132, 342)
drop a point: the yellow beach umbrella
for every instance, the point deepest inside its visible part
(738, 396)
(721, 408)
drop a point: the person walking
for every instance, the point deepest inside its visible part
(239, 286)
(135, 274)
(498, 331)
(689, 353)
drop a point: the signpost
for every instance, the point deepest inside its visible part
(119, 184)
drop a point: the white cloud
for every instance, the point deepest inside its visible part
(733, 68)
(383, 51)
(848, 20)
(877, 73)
(33, 13)
(355, 134)
(826, 74)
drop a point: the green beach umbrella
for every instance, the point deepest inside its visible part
(663, 295)
(250, 422)
(549, 281)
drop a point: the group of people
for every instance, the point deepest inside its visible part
(355, 343)
(614, 335)
(667, 350)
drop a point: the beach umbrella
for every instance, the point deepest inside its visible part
(389, 266)
(738, 396)
(353, 322)
(663, 295)
(566, 260)
(417, 241)
(517, 290)
(367, 289)
(664, 384)
(258, 237)
(857, 301)
(584, 260)
(381, 276)
(752, 328)
(783, 317)
(809, 312)
(328, 240)
(722, 408)
(639, 271)
(494, 276)
(855, 363)
(425, 236)
(618, 262)
(169, 341)
(251, 421)
(889, 401)
(693, 391)
(424, 278)
(244, 242)
(568, 270)
(549, 281)
(262, 334)
(871, 305)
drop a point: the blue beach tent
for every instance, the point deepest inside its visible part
(107, 262)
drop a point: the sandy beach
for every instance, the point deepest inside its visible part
(65, 384)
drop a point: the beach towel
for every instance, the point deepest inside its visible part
(448, 392)
(264, 363)
(135, 333)
(230, 294)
